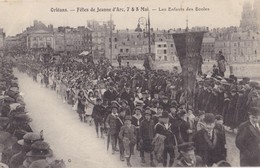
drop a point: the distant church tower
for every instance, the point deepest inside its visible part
(248, 21)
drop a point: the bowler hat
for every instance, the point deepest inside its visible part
(186, 146)
(40, 149)
(219, 117)
(30, 138)
(138, 108)
(147, 111)
(209, 118)
(164, 115)
(255, 111)
(114, 107)
(40, 164)
(128, 117)
(22, 118)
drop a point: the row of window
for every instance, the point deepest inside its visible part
(41, 38)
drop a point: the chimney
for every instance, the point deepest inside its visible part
(35, 23)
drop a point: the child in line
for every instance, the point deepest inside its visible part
(128, 135)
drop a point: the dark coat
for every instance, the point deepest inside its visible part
(17, 159)
(110, 96)
(129, 133)
(147, 130)
(98, 113)
(180, 129)
(248, 142)
(170, 139)
(210, 150)
(111, 123)
(129, 97)
(119, 123)
(146, 134)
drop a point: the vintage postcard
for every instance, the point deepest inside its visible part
(106, 83)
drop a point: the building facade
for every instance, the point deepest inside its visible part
(208, 48)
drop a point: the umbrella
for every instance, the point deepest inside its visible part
(108, 139)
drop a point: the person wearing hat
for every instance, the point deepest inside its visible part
(128, 95)
(181, 127)
(28, 139)
(110, 94)
(128, 135)
(39, 150)
(20, 122)
(163, 127)
(229, 116)
(187, 156)
(136, 121)
(119, 123)
(125, 106)
(215, 71)
(98, 115)
(165, 103)
(146, 99)
(40, 164)
(200, 120)
(209, 143)
(221, 64)
(248, 139)
(158, 114)
(111, 127)
(81, 103)
(146, 134)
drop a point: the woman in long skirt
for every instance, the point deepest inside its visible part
(81, 105)
(91, 101)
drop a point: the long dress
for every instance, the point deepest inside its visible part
(90, 106)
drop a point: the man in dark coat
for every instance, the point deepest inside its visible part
(128, 96)
(110, 94)
(28, 139)
(164, 128)
(248, 139)
(137, 118)
(146, 134)
(111, 126)
(209, 143)
(119, 124)
(180, 127)
(188, 157)
(98, 115)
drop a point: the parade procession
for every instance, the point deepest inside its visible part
(94, 96)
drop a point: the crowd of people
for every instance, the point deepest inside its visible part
(20, 146)
(147, 111)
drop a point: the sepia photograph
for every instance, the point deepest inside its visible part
(117, 83)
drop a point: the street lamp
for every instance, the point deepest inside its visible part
(143, 21)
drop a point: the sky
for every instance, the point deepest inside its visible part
(16, 15)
